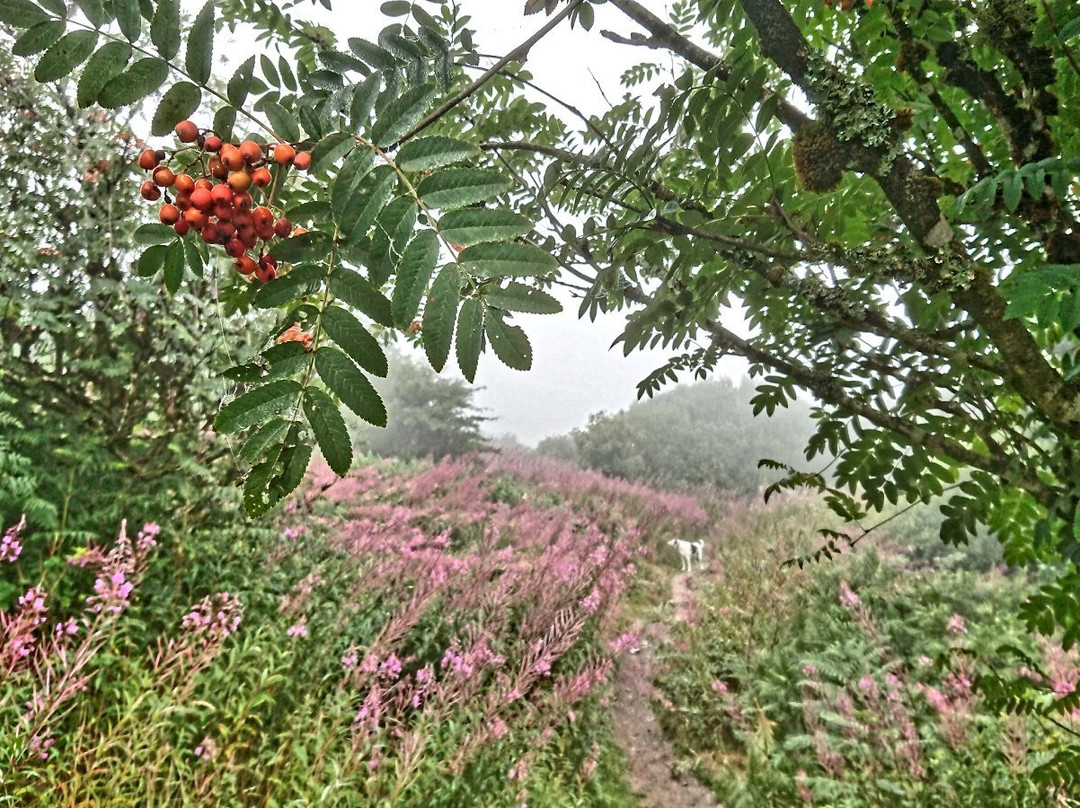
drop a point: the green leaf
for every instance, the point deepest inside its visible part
(134, 84)
(240, 84)
(457, 187)
(273, 431)
(286, 359)
(310, 246)
(257, 405)
(286, 288)
(128, 17)
(363, 100)
(396, 8)
(295, 461)
(359, 293)
(585, 17)
(425, 153)
(372, 54)
(178, 104)
(288, 78)
(350, 385)
(473, 225)
(330, 430)
(470, 337)
(165, 28)
(489, 260)
(329, 150)
(355, 167)
(22, 13)
(414, 272)
(1012, 189)
(95, 11)
(65, 55)
(152, 259)
(519, 297)
(224, 120)
(41, 36)
(154, 233)
(173, 266)
(440, 311)
(355, 340)
(195, 258)
(509, 342)
(367, 202)
(401, 114)
(282, 122)
(105, 65)
(391, 234)
(199, 58)
(259, 497)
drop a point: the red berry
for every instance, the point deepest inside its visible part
(222, 194)
(164, 176)
(212, 143)
(282, 227)
(265, 273)
(184, 184)
(251, 151)
(242, 201)
(261, 177)
(231, 157)
(202, 199)
(182, 227)
(302, 161)
(210, 234)
(262, 216)
(169, 214)
(150, 191)
(186, 132)
(245, 265)
(148, 160)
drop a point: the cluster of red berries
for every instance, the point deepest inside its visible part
(211, 194)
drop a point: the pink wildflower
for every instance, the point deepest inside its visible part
(956, 625)
(298, 629)
(10, 548)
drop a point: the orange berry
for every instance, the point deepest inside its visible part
(262, 216)
(182, 201)
(184, 184)
(299, 231)
(251, 151)
(164, 176)
(261, 177)
(245, 265)
(217, 168)
(231, 157)
(203, 182)
(302, 161)
(148, 160)
(150, 191)
(265, 273)
(169, 214)
(222, 194)
(284, 154)
(186, 132)
(239, 181)
(212, 143)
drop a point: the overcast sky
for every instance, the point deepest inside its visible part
(575, 371)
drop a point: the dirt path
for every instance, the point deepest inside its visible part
(654, 772)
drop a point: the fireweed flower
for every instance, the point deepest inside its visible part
(956, 625)
(10, 548)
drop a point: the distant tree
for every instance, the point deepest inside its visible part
(695, 434)
(428, 415)
(559, 447)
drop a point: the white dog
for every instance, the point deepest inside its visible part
(687, 551)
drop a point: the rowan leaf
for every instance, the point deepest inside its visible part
(516, 296)
(179, 103)
(329, 429)
(257, 405)
(355, 340)
(199, 58)
(165, 28)
(391, 234)
(106, 64)
(22, 13)
(488, 260)
(67, 53)
(282, 122)
(173, 266)
(240, 84)
(367, 201)
(350, 385)
(128, 17)
(95, 11)
(473, 225)
(509, 342)
(39, 38)
(470, 337)
(414, 271)
(359, 293)
(440, 311)
(134, 84)
(453, 188)
(273, 431)
(423, 154)
(401, 114)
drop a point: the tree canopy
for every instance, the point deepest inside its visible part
(871, 202)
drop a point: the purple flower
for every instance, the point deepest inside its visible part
(10, 548)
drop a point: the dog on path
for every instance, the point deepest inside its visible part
(687, 551)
